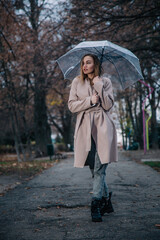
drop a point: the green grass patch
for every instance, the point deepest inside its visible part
(155, 165)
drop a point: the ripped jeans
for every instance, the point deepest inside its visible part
(98, 170)
(100, 188)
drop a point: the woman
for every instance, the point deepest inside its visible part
(95, 142)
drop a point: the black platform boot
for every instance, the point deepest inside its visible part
(95, 211)
(106, 205)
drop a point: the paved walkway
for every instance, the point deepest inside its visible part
(55, 205)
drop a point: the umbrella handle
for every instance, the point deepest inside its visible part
(101, 60)
(94, 105)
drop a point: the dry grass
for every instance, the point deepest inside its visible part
(9, 165)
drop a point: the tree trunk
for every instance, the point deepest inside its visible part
(15, 138)
(67, 127)
(140, 121)
(41, 127)
(154, 125)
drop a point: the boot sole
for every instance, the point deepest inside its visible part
(109, 211)
(96, 220)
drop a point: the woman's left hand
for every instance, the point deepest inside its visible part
(96, 79)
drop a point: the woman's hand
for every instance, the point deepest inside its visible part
(96, 79)
(95, 98)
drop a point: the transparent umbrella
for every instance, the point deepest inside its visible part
(118, 63)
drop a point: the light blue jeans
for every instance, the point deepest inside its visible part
(100, 188)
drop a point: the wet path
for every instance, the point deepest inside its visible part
(56, 205)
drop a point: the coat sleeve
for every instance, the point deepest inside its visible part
(105, 91)
(74, 103)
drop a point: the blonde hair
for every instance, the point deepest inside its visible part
(97, 67)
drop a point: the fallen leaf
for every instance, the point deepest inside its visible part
(39, 208)
(157, 225)
(44, 209)
(43, 223)
(18, 183)
(37, 230)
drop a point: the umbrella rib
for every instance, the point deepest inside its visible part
(107, 58)
(121, 56)
(131, 63)
(81, 49)
(70, 70)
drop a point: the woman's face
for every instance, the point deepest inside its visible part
(88, 65)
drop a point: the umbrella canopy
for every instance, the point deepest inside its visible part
(118, 63)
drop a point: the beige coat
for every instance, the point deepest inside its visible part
(105, 135)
